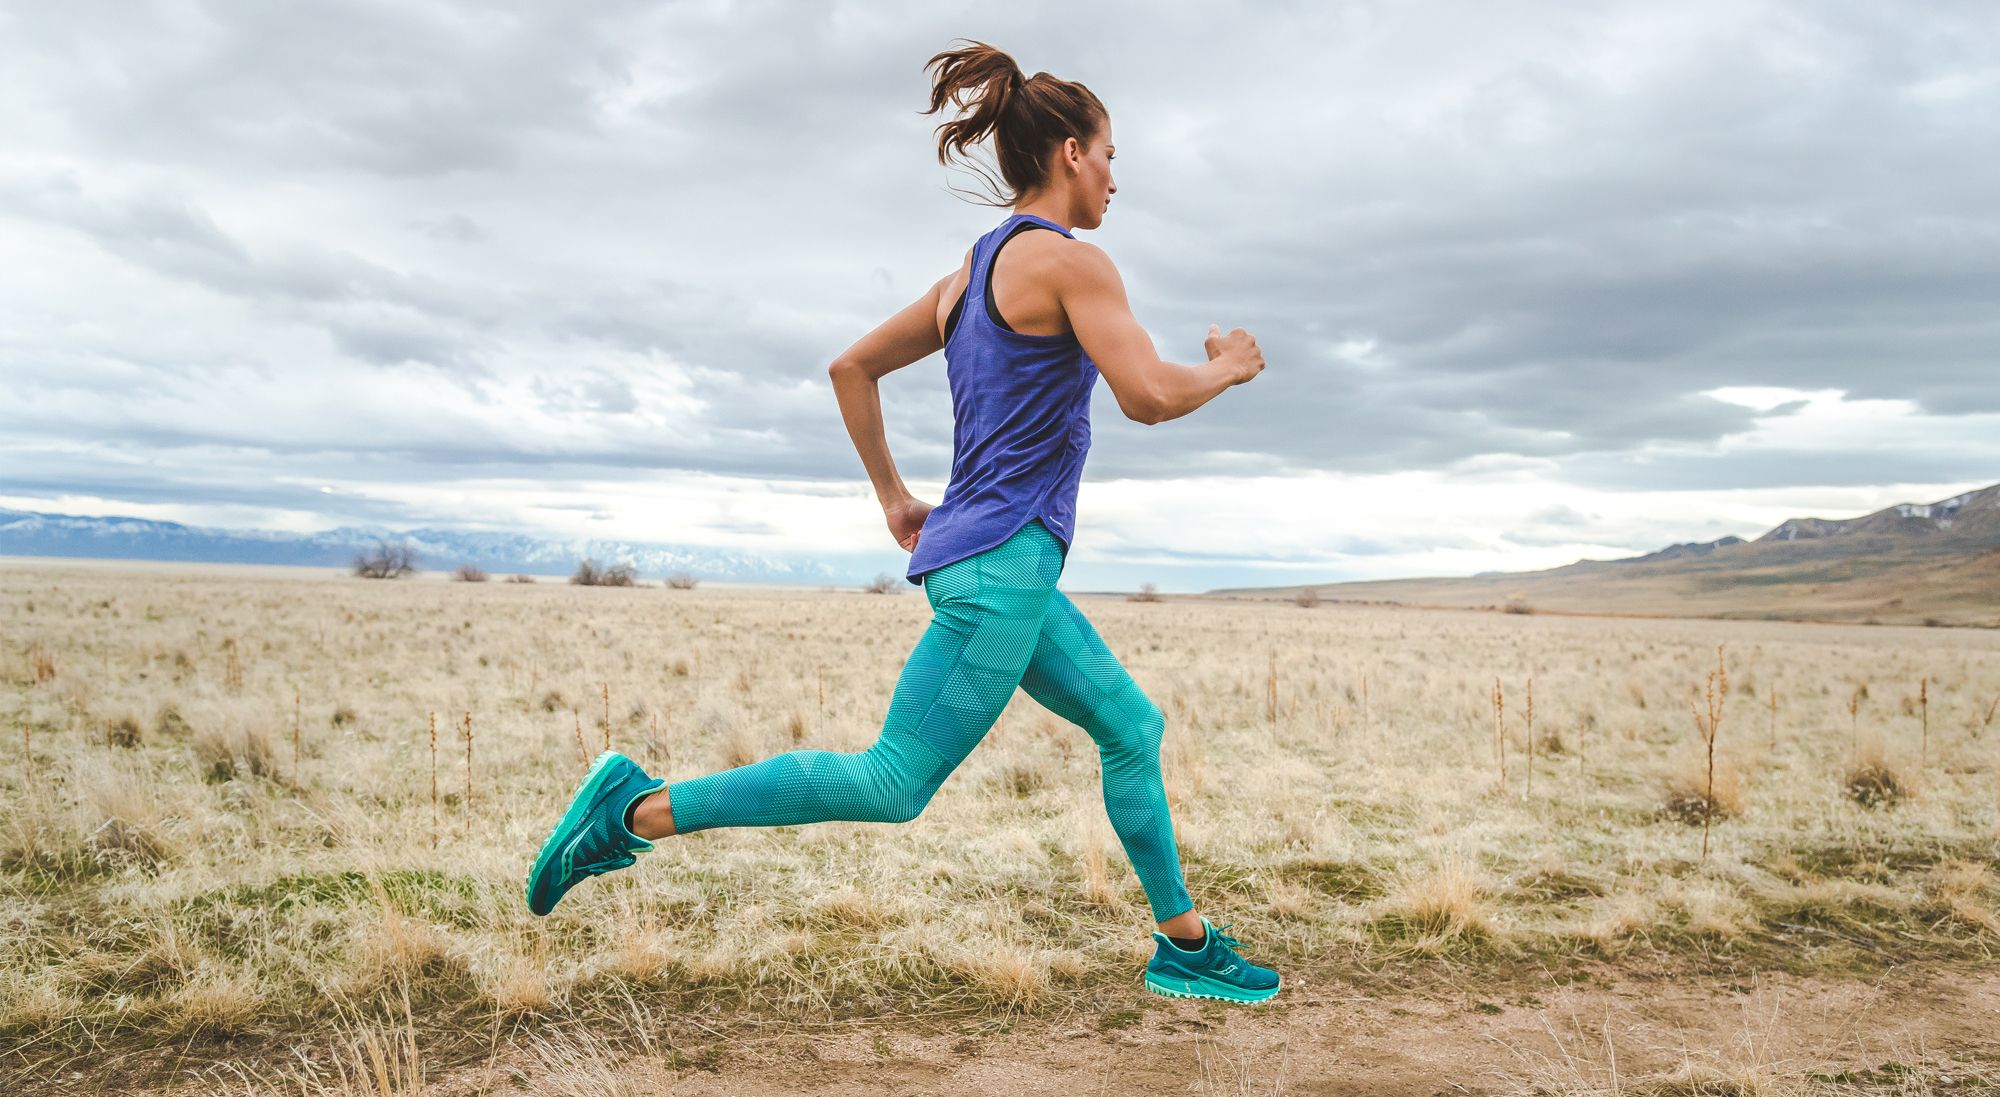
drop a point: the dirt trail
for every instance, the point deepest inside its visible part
(1328, 1041)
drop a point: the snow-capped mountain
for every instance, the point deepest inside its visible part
(30, 533)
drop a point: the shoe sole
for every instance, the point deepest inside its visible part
(579, 806)
(1190, 988)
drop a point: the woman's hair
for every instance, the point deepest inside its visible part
(1028, 116)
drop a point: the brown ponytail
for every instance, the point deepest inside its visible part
(1027, 116)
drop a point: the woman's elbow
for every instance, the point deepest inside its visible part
(1144, 407)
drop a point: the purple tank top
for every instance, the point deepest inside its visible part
(1020, 421)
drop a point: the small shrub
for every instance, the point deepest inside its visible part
(520, 578)
(1518, 606)
(552, 701)
(223, 756)
(1147, 592)
(681, 580)
(170, 722)
(343, 716)
(386, 561)
(1684, 795)
(881, 584)
(619, 575)
(589, 573)
(123, 731)
(1307, 598)
(470, 573)
(1872, 781)
(1437, 903)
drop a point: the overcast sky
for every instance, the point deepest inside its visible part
(1535, 281)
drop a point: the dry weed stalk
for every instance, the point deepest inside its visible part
(1499, 740)
(468, 764)
(434, 780)
(582, 752)
(1982, 725)
(1718, 691)
(1924, 702)
(1854, 716)
(607, 716)
(44, 664)
(232, 671)
(1271, 704)
(1531, 737)
(822, 689)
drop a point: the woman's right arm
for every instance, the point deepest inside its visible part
(1148, 389)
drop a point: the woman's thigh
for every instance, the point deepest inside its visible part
(987, 614)
(1073, 673)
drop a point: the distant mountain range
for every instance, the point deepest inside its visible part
(30, 533)
(1912, 563)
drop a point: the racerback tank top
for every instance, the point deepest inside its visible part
(1020, 421)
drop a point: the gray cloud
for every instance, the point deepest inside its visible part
(1461, 234)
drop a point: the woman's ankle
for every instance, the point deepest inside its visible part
(652, 817)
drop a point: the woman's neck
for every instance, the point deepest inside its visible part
(1049, 208)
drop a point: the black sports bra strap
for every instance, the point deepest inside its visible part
(986, 291)
(986, 288)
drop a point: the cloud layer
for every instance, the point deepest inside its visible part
(460, 261)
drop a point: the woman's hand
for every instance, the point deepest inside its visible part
(906, 521)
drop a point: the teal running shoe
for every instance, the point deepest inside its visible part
(591, 839)
(1212, 971)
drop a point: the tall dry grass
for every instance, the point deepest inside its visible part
(200, 883)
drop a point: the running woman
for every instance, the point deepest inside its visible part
(1026, 323)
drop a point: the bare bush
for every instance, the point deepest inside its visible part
(1518, 606)
(1694, 796)
(387, 561)
(1147, 592)
(470, 573)
(1872, 780)
(884, 583)
(590, 573)
(225, 754)
(681, 580)
(520, 578)
(1307, 598)
(123, 731)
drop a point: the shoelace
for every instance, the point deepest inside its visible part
(1224, 937)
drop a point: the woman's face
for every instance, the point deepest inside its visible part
(1095, 185)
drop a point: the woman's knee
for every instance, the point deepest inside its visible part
(902, 798)
(1137, 725)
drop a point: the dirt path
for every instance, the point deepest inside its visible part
(1328, 1041)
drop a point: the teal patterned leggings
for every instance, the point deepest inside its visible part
(999, 622)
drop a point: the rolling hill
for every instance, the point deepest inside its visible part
(1912, 563)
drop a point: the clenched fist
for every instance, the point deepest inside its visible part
(1240, 347)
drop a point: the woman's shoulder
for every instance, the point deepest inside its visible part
(1055, 253)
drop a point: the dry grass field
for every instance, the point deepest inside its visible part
(239, 856)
